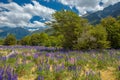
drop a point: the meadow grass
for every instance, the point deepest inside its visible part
(36, 63)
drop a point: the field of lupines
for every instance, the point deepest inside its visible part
(42, 63)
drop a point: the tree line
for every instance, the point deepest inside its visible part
(71, 31)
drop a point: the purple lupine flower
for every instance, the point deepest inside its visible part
(36, 56)
(3, 58)
(1, 73)
(60, 68)
(63, 66)
(1, 77)
(48, 55)
(40, 78)
(12, 55)
(15, 77)
(7, 73)
(59, 56)
(9, 76)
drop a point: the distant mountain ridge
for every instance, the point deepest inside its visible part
(18, 32)
(112, 10)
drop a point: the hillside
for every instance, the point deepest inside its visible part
(112, 10)
(18, 32)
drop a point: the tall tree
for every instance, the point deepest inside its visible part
(93, 37)
(1, 41)
(25, 40)
(10, 40)
(113, 29)
(39, 39)
(68, 24)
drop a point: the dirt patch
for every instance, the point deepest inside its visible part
(108, 74)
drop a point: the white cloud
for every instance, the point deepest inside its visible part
(36, 24)
(87, 5)
(14, 15)
(38, 10)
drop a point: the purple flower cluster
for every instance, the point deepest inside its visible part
(7, 73)
(48, 61)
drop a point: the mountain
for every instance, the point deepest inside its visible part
(48, 31)
(35, 29)
(18, 32)
(112, 10)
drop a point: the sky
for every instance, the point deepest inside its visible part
(33, 13)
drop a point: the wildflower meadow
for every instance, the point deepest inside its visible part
(49, 63)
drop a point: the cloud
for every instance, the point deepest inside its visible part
(87, 5)
(36, 24)
(109, 2)
(14, 15)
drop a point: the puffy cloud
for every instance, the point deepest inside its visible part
(36, 24)
(82, 5)
(87, 5)
(38, 10)
(14, 15)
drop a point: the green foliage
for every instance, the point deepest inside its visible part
(35, 39)
(42, 39)
(55, 41)
(78, 33)
(1, 41)
(117, 75)
(112, 26)
(23, 69)
(69, 25)
(25, 40)
(10, 40)
(39, 39)
(70, 31)
(92, 38)
(59, 76)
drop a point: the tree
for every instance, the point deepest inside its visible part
(54, 41)
(68, 24)
(39, 39)
(93, 38)
(113, 29)
(10, 40)
(25, 40)
(1, 41)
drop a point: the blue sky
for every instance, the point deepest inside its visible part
(33, 13)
